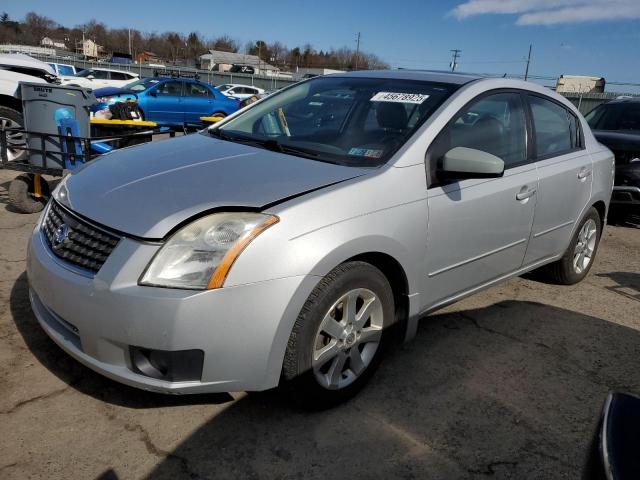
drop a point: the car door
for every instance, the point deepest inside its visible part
(565, 172)
(479, 228)
(100, 79)
(164, 103)
(119, 79)
(197, 101)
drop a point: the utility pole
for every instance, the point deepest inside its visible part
(455, 54)
(526, 72)
(357, 49)
(129, 41)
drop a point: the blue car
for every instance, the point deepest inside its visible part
(170, 102)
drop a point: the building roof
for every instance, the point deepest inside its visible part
(230, 58)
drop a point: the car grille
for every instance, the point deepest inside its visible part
(76, 241)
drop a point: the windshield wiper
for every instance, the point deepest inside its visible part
(271, 144)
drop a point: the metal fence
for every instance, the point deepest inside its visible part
(584, 101)
(588, 101)
(266, 82)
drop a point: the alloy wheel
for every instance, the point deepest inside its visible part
(13, 139)
(347, 339)
(585, 246)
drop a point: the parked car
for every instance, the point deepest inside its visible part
(63, 69)
(94, 78)
(240, 91)
(171, 101)
(616, 124)
(16, 68)
(251, 253)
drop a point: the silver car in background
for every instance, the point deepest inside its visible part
(292, 241)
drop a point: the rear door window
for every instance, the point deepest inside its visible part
(555, 128)
(197, 90)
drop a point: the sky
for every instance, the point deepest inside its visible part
(571, 37)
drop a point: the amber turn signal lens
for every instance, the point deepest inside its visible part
(220, 273)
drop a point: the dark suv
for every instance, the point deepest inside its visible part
(616, 124)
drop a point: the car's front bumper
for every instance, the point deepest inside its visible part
(242, 330)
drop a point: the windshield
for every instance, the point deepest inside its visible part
(222, 88)
(141, 85)
(84, 73)
(349, 121)
(615, 116)
(66, 70)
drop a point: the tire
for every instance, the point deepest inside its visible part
(325, 383)
(11, 118)
(567, 271)
(21, 194)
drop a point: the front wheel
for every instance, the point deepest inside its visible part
(579, 257)
(340, 335)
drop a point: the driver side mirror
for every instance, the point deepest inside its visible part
(461, 163)
(153, 93)
(91, 77)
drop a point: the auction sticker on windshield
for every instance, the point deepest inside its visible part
(416, 98)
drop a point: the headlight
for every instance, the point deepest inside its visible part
(200, 255)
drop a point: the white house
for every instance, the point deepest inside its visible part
(53, 43)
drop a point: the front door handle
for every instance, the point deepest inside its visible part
(525, 193)
(584, 173)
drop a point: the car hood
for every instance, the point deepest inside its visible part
(146, 191)
(111, 91)
(616, 140)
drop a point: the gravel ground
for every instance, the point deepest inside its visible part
(508, 383)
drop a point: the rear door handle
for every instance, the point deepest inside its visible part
(584, 173)
(524, 193)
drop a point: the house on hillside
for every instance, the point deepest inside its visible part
(219, 61)
(53, 43)
(89, 48)
(147, 57)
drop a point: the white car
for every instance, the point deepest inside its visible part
(239, 91)
(16, 68)
(100, 77)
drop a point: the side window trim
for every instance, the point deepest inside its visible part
(580, 137)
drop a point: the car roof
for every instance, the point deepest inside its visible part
(623, 100)
(231, 85)
(419, 75)
(110, 70)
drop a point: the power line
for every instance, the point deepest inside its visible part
(357, 49)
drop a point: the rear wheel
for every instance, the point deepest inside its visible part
(579, 257)
(339, 336)
(10, 118)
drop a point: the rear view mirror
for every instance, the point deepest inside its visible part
(463, 162)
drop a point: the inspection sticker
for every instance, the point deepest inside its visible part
(417, 98)
(365, 152)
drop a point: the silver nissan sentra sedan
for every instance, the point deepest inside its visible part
(293, 240)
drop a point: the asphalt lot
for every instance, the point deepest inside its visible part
(506, 384)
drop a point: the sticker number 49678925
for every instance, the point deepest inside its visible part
(399, 97)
